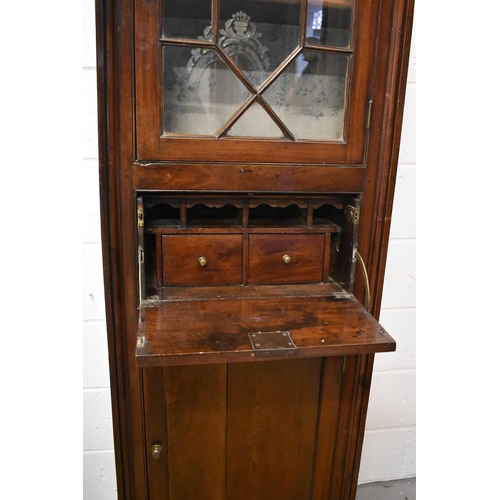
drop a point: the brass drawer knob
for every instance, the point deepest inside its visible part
(156, 451)
(203, 261)
(286, 259)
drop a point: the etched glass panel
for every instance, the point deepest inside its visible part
(255, 122)
(309, 96)
(200, 92)
(186, 19)
(259, 34)
(329, 23)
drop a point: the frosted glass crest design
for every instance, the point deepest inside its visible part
(259, 35)
(200, 96)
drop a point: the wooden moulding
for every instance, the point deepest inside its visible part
(207, 331)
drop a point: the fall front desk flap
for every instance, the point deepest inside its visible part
(255, 323)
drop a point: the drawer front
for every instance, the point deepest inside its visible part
(202, 260)
(286, 258)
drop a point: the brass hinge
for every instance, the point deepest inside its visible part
(369, 115)
(352, 214)
(140, 217)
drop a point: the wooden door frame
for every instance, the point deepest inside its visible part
(114, 34)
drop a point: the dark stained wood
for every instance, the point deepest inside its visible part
(271, 429)
(217, 331)
(183, 214)
(105, 58)
(241, 177)
(274, 228)
(344, 428)
(360, 411)
(159, 260)
(391, 84)
(369, 169)
(245, 260)
(328, 422)
(266, 254)
(155, 414)
(245, 214)
(326, 259)
(196, 419)
(329, 289)
(181, 255)
(215, 19)
(118, 214)
(303, 22)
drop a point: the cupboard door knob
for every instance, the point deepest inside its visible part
(156, 451)
(203, 261)
(286, 259)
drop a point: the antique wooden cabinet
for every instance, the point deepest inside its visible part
(247, 165)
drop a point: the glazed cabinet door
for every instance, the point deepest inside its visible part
(260, 81)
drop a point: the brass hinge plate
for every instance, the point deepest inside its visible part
(140, 217)
(278, 343)
(352, 214)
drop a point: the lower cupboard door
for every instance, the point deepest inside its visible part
(247, 431)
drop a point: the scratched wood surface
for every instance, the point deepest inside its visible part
(196, 421)
(215, 331)
(271, 426)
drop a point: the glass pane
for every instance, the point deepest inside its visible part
(259, 34)
(329, 22)
(309, 96)
(187, 19)
(200, 92)
(255, 122)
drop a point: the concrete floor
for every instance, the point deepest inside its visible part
(403, 489)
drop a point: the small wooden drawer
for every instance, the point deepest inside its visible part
(202, 259)
(286, 258)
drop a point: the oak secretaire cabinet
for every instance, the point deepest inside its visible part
(248, 151)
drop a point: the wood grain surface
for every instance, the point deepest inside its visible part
(215, 331)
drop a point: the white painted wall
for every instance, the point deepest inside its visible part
(389, 447)
(99, 478)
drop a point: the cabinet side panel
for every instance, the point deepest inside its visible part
(272, 419)
(196, 421)
(346, 430)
